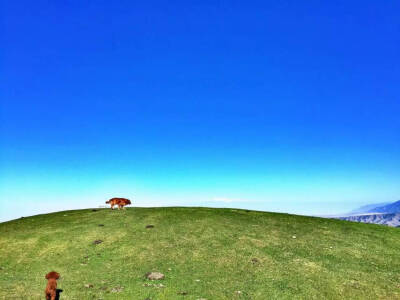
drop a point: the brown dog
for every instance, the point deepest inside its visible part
(51, 288)
(121, 202)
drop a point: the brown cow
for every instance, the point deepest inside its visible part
(121, 202)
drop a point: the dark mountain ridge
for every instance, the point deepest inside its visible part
(367, 208)
(391, 208)
(392, 220)
(383, 213)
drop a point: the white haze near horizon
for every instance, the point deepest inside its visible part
(14, 210)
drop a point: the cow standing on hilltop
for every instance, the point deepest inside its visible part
(121, 202)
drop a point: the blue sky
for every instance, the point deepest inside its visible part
(270, 105)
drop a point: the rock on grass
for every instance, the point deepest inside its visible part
(117, 289)
(155, 276)
(182, 293)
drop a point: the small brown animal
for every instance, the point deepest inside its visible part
(121, 202)
(51, 288)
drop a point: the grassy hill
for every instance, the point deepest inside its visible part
(204, 253)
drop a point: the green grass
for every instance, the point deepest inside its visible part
(204, 252)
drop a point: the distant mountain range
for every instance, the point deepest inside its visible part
(367, 208)
(380, 213)
(382, 208)
(382, 219)
(390, 208)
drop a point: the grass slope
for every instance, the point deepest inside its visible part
(204, 252)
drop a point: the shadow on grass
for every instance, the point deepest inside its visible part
(58, 292)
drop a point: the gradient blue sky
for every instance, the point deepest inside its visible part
(289, 106)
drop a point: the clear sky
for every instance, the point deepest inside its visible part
(289, 106)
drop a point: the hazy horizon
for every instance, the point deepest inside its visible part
(17, 211)
(275, 106)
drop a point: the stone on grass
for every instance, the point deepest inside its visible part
(117, 289)
(155, 276)
(88, 285)
(182, 293)
(160, 285)
(96, 242)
